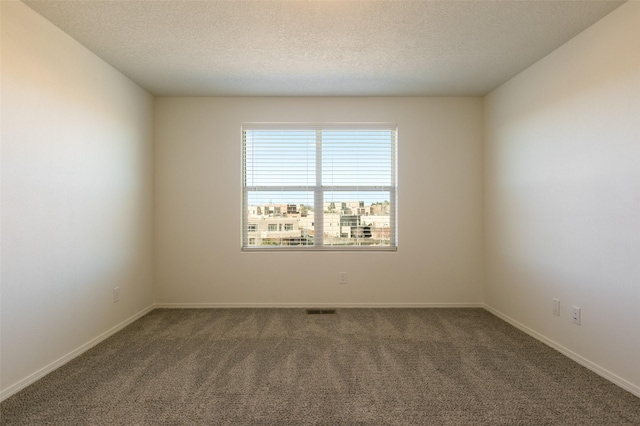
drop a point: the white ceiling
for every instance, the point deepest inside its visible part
(322, 48)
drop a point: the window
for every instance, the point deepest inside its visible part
(328, 186)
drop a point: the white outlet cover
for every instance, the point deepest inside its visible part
(575, 315)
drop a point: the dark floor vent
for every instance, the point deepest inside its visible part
(321, 311)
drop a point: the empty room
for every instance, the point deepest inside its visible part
(320, 212)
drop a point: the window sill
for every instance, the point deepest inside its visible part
(311, 248)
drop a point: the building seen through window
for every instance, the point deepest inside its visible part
(355, 223)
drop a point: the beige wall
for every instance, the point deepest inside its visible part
(76, 196)
(198, 199)
(563, 196)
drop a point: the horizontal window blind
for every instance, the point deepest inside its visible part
(330, 186)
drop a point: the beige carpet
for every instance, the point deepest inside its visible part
(284, 367)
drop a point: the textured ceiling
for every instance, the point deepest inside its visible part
(322, 48)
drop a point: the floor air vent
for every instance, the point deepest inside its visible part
(321, 311)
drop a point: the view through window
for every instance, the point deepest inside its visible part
(319, 186)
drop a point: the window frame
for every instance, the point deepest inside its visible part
(319, 190)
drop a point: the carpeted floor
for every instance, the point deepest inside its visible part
(284, 367)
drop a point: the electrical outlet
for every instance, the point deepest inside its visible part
(575, 315)
(556, 307)
(116, 294)
(343, 277)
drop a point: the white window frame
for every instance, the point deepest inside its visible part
(319, 190)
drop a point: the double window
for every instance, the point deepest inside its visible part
(328, 186)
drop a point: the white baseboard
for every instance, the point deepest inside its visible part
(16, 387)
(624, 384)
(315, 305)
